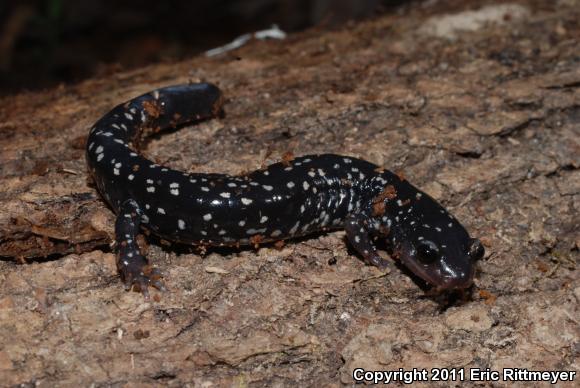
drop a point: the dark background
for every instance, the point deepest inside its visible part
(47, 42)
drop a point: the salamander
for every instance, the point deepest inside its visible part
(288, 199)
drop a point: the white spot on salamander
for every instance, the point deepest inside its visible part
(207, 217)
(116, 169)
(255, 231)
(246, 201)
(294, 228)
(181, 224)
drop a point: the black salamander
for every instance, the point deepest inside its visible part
(284, 200)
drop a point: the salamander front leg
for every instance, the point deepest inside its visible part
(359, 237)
(133, 267)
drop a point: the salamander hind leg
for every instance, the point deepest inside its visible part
(133, 267)
(358, 235)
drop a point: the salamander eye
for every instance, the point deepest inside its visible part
(476, 250)
(427, 252)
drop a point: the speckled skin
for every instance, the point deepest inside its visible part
(287, 199)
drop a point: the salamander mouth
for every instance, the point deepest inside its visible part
(433, 273)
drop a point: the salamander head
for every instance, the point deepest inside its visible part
(446, 268)
(437, 248)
